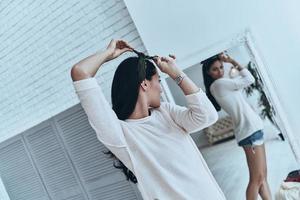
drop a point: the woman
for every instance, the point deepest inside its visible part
(226, 93)
(149, 137)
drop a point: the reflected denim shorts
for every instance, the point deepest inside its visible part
(257, 138)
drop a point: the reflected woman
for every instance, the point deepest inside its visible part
(226, 93)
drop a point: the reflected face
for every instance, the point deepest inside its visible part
(216, 70)
(154, 91)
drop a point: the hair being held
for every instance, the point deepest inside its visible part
(125, 90)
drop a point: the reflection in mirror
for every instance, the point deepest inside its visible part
(245, 149)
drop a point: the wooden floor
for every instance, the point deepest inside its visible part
(228, 164)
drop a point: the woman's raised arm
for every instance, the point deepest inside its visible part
(89, 66)
(100, 115)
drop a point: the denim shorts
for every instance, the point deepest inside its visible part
(257, 138)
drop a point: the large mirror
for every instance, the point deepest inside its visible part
(249, 149)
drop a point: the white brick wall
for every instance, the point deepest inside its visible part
(40, 41)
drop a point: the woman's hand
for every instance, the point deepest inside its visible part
(225, 58)
(167, 65)
(117, 47)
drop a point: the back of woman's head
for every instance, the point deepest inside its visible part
(124, 93)
(126, 82)
(208, 80)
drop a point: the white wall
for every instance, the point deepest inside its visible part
(183, 27)
(40, 41)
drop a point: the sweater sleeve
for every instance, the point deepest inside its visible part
(103, 119)
(100, 115)
(199, 113)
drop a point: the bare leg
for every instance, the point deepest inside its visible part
(256, 160)
(264, 189)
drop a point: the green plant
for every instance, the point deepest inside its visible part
(267, 110)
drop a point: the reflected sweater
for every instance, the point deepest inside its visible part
(228, 94)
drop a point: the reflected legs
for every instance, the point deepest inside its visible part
(256, 160)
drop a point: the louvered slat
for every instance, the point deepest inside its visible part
(53, 165)
(18, 174)
(101, 179)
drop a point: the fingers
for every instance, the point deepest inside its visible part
(126, 44)
(120, 44)
(157, 60)
(223, 57)
(172, 56)
(164, 59)
(168, 59)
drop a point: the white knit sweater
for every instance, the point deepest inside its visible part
(158, 149)
(228, 93)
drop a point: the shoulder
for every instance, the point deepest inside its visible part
(169, 107)
(163, 106)
(221, 86)
(218, 83)
(223, 81)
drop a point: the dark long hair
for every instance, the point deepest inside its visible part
(208, 80)
(124, 93)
